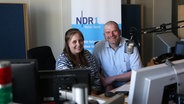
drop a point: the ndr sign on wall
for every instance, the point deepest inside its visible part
(89, 16)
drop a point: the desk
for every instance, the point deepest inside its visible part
(124, 87)
(116, 99)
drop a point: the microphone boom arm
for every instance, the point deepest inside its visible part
(161, 28)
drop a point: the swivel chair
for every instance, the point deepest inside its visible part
(44, 56)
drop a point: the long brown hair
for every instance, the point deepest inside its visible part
(67, 50)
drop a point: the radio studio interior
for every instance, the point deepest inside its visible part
(39, 36)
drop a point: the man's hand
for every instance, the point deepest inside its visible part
(107, 81)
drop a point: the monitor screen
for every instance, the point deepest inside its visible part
(24, 81)
(179, 49)
(51, 81)
(156, 84)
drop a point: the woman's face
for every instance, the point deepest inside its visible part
(76, 43)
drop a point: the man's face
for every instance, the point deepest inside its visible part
(112, 34)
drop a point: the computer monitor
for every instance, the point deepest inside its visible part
(179, 49)
(51, 81)
(164, 43)
(24, 81)
(157, 84)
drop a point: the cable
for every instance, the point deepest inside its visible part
(175, 71)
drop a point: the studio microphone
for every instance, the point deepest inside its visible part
(65, 94)
(79, 94)
(129, 45)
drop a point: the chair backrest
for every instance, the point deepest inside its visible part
(44, 56)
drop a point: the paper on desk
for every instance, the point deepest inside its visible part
(125, 87)
(100, 101)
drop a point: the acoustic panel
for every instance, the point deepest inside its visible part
(12, 31)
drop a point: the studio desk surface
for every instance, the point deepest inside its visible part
(118, 98)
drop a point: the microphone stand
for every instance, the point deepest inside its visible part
(162, 29)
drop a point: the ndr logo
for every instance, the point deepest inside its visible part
(85, 20)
